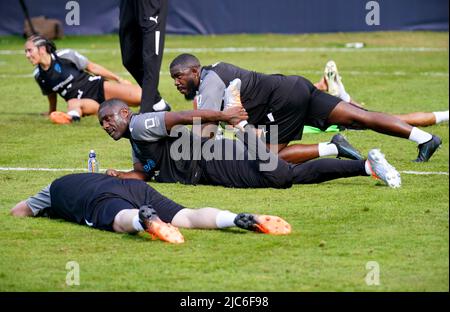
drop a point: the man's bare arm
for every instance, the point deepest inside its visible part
(233, 116)
(137, 173)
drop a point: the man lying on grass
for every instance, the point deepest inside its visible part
(170, 153)
(290, 102)
(130, 206)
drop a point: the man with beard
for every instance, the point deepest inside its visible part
(244, 163)
(289, 102)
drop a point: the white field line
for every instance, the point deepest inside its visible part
(291, 72)
(267, 49)
(40, 169)
(84, 169)
(424, 172)
(261, 49)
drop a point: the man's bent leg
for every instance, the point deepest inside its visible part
(299, 153)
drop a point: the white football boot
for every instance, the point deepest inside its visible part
(382, 170)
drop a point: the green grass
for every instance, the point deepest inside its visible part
(337, 226)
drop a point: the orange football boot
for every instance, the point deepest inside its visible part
(158, 228)
(60, 118)
(263, 223)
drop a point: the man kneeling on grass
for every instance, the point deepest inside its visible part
(131, 206)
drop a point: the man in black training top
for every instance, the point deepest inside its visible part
(170, 153)
(290, 102)
(130, 206)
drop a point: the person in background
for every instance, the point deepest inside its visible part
(331, 82)
(142, 32)
(82, 83)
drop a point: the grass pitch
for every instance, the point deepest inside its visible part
(337, 226)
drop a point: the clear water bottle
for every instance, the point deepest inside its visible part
(92, 162)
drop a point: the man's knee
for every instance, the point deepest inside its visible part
(118, 223)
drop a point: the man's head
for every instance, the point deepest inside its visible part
(114, 117)
(185, 70)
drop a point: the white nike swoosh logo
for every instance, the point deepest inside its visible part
(88, 223)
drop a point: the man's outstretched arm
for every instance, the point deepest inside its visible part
(232, 116)
(137, 173)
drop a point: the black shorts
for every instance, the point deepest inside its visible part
(92, 88)
(300, 103)
(95, 199)
(103, 214)
(243, 173)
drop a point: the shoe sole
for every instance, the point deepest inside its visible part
(331, 73)
(272, 225)
(165, 231)
(233, 92)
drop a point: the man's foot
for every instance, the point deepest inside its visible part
(345, 149)
(153, 225)
(232, 98)
(262, 223)
(332, 78)
(427, 149)
(162, 106)
(233, 94)
(60, 118)
(382, 170)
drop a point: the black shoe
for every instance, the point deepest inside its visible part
(157, 228)
(146, 215)
(246, 221)
(345, 149)
(262, 223)
(76, 119)
(427, 149)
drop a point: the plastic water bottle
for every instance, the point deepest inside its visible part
(92, 162)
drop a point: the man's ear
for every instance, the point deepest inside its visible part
(124, 112)
(195, 70)
(196, 73)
